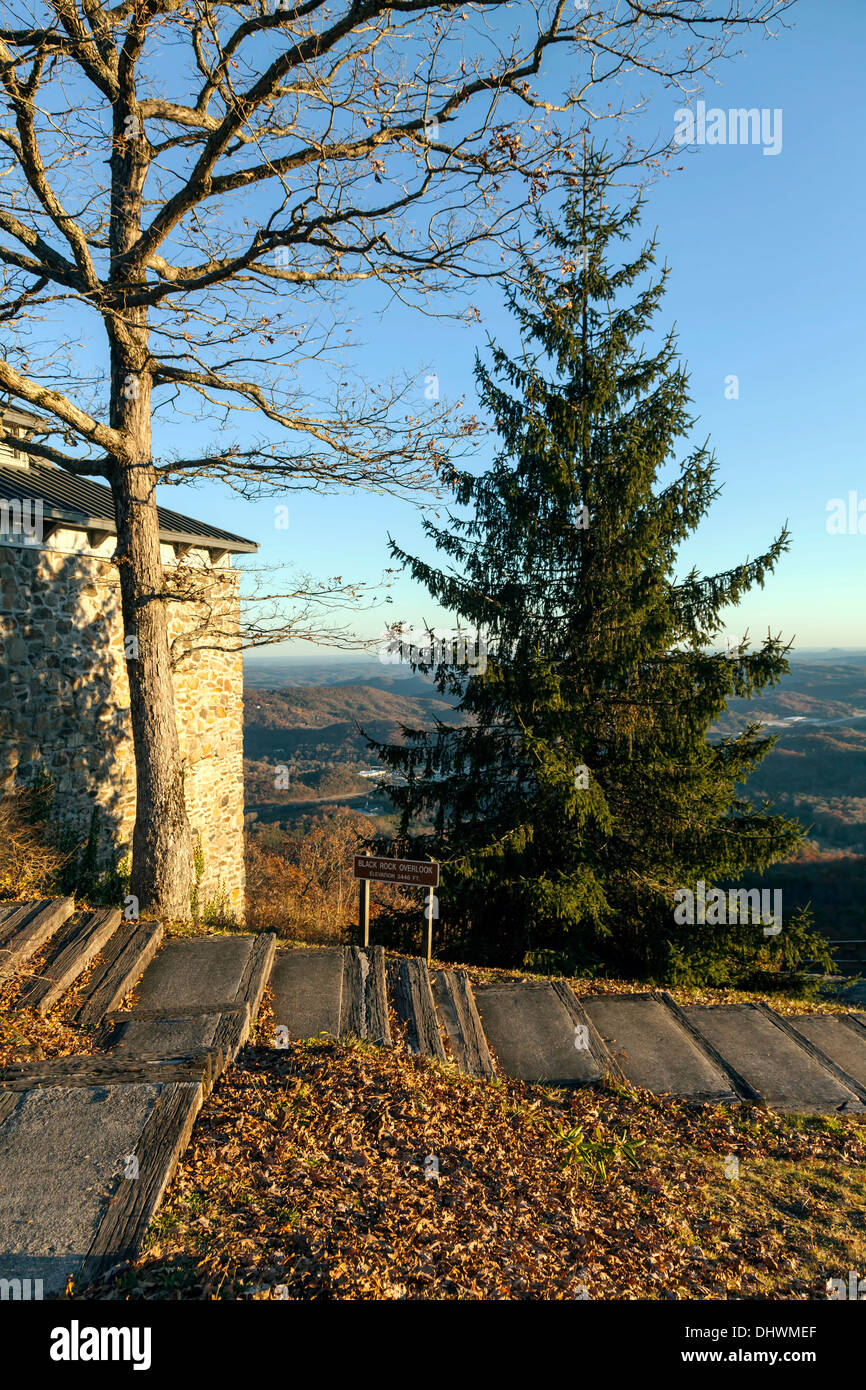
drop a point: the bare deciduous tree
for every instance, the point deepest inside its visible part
(202, 180)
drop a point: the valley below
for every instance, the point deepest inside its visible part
(307, 759)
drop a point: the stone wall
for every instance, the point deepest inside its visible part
(64, 697)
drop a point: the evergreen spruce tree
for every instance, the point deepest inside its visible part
(584, 788)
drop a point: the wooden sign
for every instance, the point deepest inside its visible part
(410, 873)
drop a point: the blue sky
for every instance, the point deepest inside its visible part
(767, 284)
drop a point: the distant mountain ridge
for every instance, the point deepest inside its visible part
(299, 718)
(277, 672)
(819, 690)
(816, 771)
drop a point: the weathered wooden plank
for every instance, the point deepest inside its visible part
(376, 998)
(364, 1007)
(461, 1022)
(163, 1139)
(204, 1064)
(412, 1001)
(13, 914)
(16, 916)
(80, 1063)
(103, 1071)
(124, 959)
(8, 1102)
(147, 1071)
(256, 974)
(353, 1019)
(24, 934)
(156, 1015)
(66, 932)
(83, 937)
(232, 1032)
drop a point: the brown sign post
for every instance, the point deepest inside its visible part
(409, 873)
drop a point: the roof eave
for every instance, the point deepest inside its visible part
(15, 416)
(77, 521)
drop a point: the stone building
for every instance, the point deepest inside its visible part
(64, 696)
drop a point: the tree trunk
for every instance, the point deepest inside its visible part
(162, 852)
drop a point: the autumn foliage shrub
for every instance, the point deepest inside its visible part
(32, 862)
(301, 885)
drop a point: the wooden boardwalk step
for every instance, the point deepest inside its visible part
(460, 1023)
(83, 1167)
(25, 928)
(96, 1069)
(122, 962)
(412, 1001)
(78, 943)
(227, 974)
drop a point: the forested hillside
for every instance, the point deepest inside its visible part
(817, 771)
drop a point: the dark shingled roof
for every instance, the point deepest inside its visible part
(84, 505)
